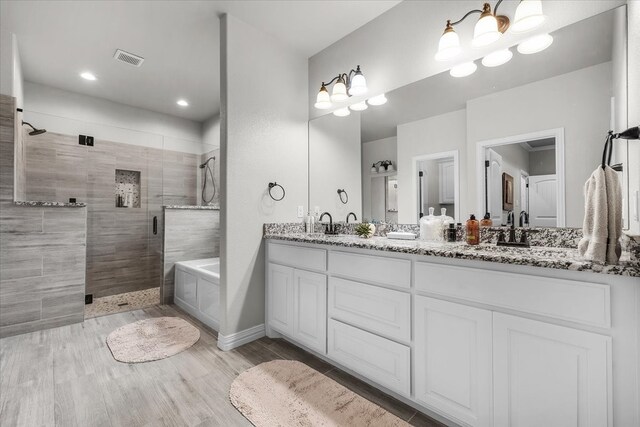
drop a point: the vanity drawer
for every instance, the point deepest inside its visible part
(379, 310)
(298, 256)
(378, 359)
(580, 302)
(374, 269)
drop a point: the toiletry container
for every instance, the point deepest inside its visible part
(473, 230)
(452, 232)
(486, 221)
(430, 227)
(446, 220)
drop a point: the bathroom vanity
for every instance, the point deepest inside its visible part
(481, 336)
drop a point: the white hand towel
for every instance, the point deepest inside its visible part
(602, 225)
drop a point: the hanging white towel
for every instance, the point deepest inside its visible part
(602, 225)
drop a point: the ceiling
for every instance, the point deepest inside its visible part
(179, 40)
(583, 44)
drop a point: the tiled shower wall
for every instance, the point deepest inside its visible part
(42, 252)
(123, 254)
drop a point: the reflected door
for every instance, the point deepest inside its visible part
(543, 201)
(494, 186)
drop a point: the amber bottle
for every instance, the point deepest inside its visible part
(486, 221)
(473, 231)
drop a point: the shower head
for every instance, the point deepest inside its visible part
(208, 160)
(34, 131)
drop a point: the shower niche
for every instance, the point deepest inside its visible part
(127, 188)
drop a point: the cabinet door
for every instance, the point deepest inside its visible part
(447, 182)
(453, 359)
(310, 309)
(280, 298)
(548, 375)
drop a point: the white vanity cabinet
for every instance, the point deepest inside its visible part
(471, 343)
(453, 350)
(548, 375)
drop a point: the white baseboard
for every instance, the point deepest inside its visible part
(229, 342)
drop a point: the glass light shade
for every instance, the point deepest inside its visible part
(390, 167)
(360, 106)
(323, 100)
(377, 100)
(339, 92)
(342, 112)
(358, 85)
(88, 76)
(485, 31)
(449, 46)
(528, 16)
(374, 169)
(535, 44)
(463, 70)
(497, 58)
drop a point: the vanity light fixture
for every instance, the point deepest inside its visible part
(490, 27)
(497, 58)
(342, 112)
(535, 44)
(377, 100)
(359, 106)
(346, 85)
(88, 76)
(463, 70)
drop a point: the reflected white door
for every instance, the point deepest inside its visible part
(543, 201)
(494, 186)
(378, 200)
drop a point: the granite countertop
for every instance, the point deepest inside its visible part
(39, 204)
(204, 208)
(537, 256)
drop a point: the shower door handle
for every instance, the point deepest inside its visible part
(155, 225)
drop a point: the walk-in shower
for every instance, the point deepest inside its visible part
(208, 176)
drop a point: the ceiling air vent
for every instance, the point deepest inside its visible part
(128, 58)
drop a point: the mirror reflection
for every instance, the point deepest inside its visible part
(538, 120)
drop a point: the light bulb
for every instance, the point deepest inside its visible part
(358, 84)
(360, 106)
(339, 91)
(528, 16)
(342, 112)
(535, 44)
(463, 70)
(323, 101)
(377, 100)
(486, 30)
(449, 45)
(497, 58)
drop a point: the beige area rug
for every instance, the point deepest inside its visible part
(289, 393)
(152, 339)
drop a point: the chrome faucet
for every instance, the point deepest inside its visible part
(330, 229)
(355, 218)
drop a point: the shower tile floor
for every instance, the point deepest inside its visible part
(122, 302)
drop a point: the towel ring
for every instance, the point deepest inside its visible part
(344, 200)
(272, 185)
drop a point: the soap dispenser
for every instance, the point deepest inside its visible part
(473, 231)
(430, 227)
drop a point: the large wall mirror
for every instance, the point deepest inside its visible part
(517, 141)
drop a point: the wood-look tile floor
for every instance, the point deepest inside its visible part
(67, 377)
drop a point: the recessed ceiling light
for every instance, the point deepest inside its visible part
(88, 76)
(463, 70)
(182, 103)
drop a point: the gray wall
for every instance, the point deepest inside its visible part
(263, 138)
(374, 151)
(542, 162)
(189, 234)
(42, 253)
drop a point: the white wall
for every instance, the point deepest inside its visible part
(542, 162)
(579, 102)
(211, 131)
(398, 47)
(445, 132)
(263, 138)
(334, 153)
(372, 152)
(72, 113)
(633, 80)
(11, 79)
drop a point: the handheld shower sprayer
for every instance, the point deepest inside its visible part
(206, 175)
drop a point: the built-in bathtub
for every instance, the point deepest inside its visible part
(197, 289)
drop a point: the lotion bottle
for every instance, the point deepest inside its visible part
(473, 231)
